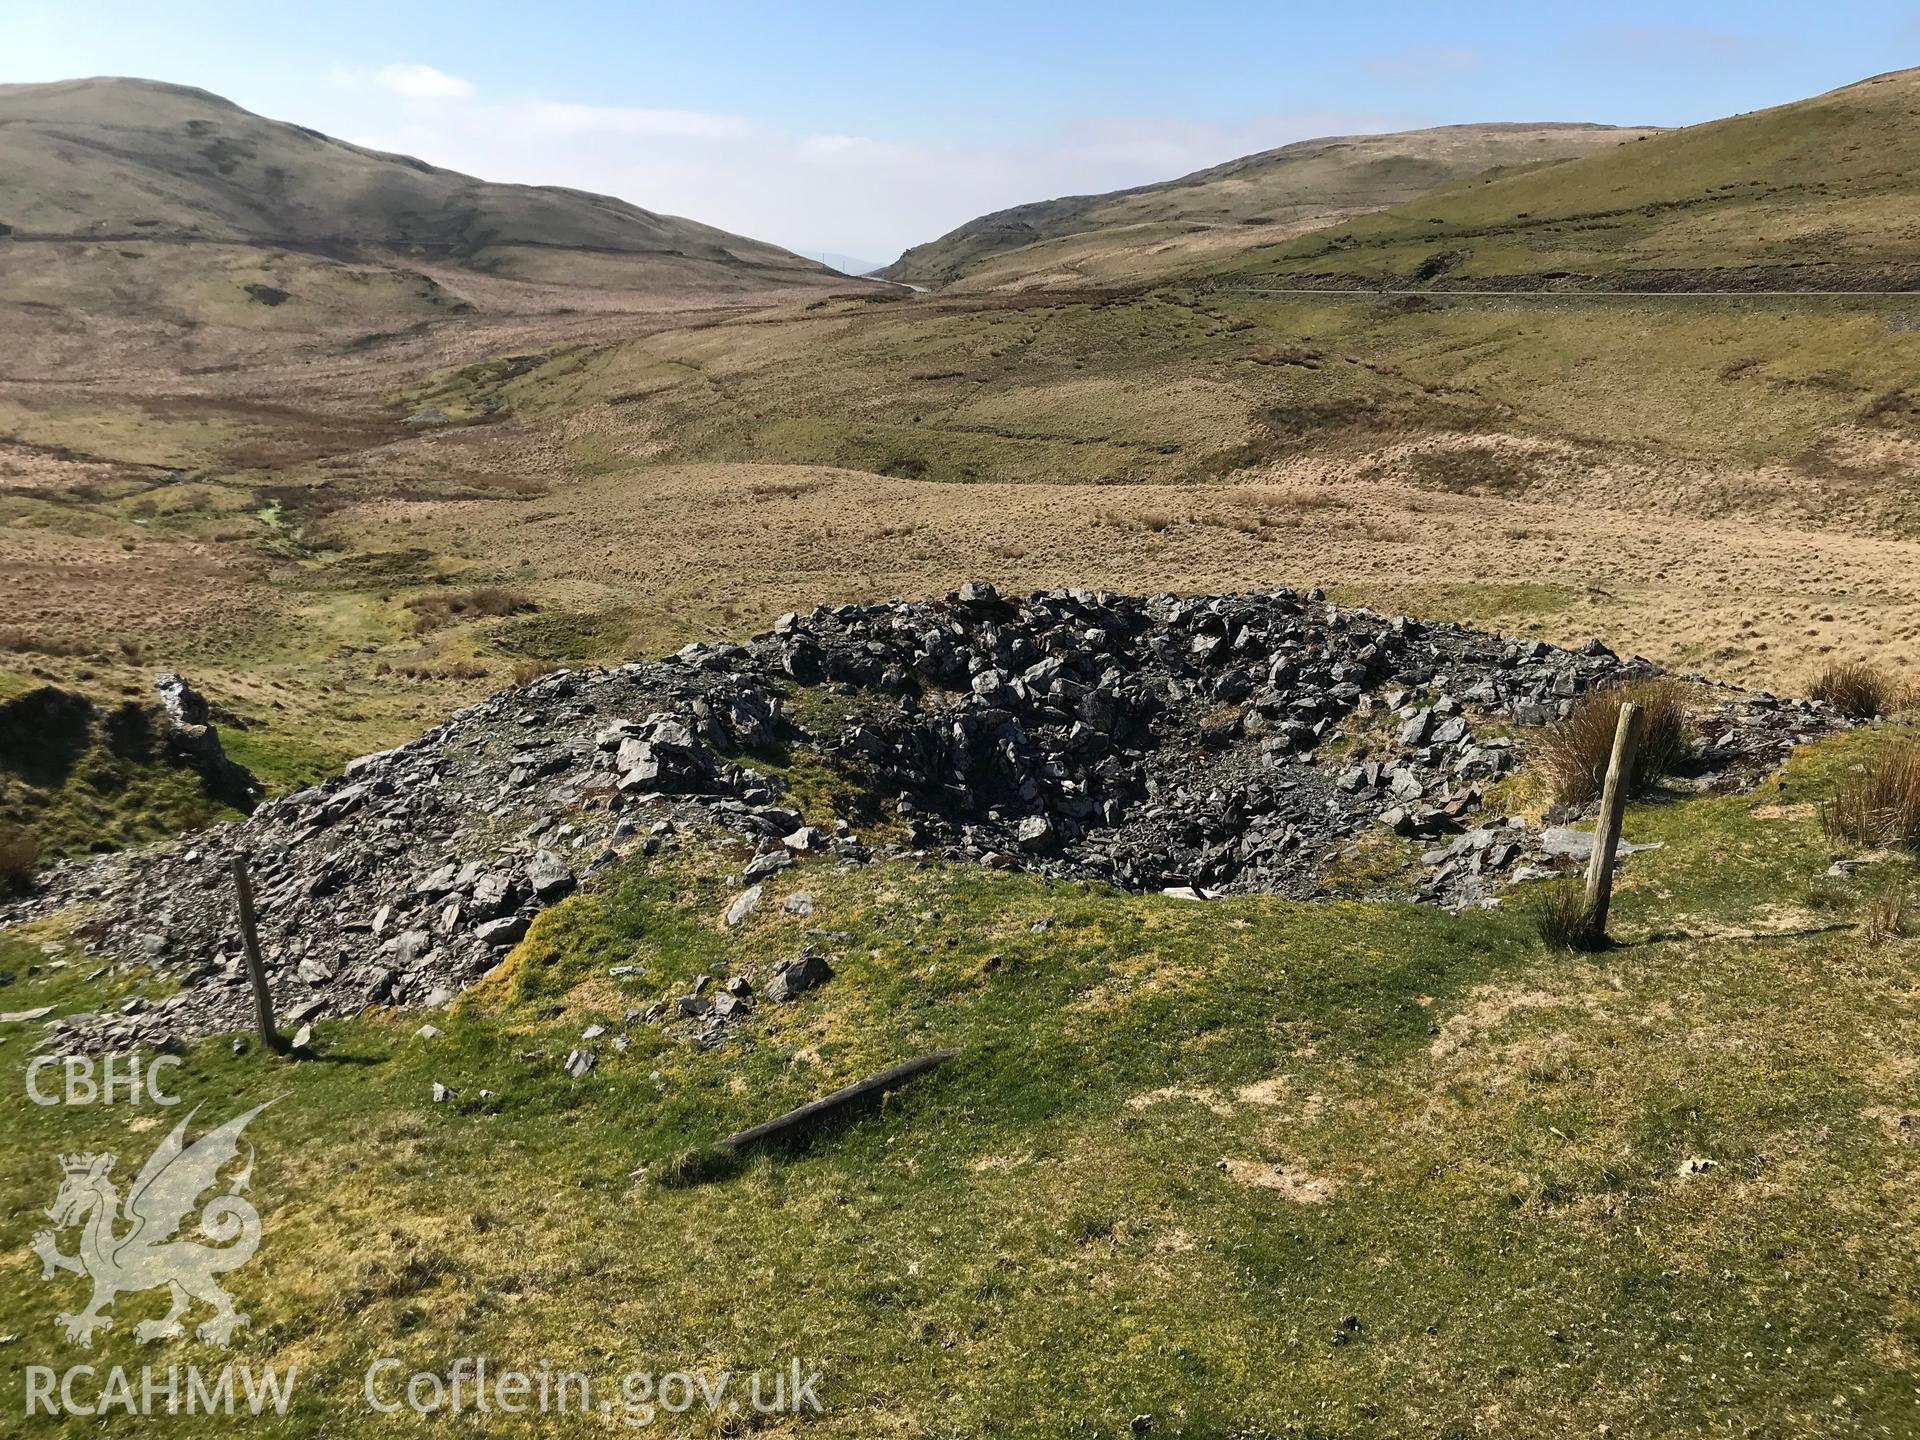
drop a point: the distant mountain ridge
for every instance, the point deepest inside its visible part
(104, 161)
(1230, 207)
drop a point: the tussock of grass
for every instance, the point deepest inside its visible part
(1858, 691)
(1474, 470)
(1573, 755)
(78, 776)
(1889, 915)
(438, 608)
(784, 489)
(1157, 522)
(1323, 418)
(1879, 803)
(567, 637)
(1301, 355)
(528, 671)
(19, 857)
(25, 642)
(1562, 921)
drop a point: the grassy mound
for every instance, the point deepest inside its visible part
(1185, 1146)
(75, 778)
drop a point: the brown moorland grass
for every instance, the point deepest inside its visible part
(1859, 691)
(19, 856)
(454, 667)
(528, 671)
(1720, 556)
(1573, 755)
(1888, 916)
(21, 642)
(1879, 803)
(438, 608)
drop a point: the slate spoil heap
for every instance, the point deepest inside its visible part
(1218, 744)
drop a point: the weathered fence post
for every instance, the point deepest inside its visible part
(1606, 830)
(838, 1100)
(256, 968)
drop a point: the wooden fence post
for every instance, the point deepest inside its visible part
(1606, 830)
(256, 968)
(839, 1099)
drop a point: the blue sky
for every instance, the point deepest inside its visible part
(862, 128)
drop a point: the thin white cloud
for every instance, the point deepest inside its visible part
(409, 82)
(855, 194)
(851, 151)
(549, 117)
(1154, 149)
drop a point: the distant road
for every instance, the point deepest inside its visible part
(1593, 294)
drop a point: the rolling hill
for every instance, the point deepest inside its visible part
(1818, 194)
(1212, 213)
(137, 197)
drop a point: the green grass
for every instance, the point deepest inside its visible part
(570, 637)
(1132, 233)
(1176, 387)
(80, 782)
(128, 434)
(1807, 195)
(1037, 1237)
(282, 762)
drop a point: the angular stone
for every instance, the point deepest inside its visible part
(1404, 784)
(744, 904)
(978, 593)
(439, 883)
(771, 863)
(492, 893)
(1232, 686)
(549, 876)
(1036, 834)
(507, 930)
(796, 977)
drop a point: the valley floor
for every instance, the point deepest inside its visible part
(1723, 486)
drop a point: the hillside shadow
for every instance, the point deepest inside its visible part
(43, 734)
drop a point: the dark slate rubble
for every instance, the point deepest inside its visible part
(1220, 744)
(1214, 745)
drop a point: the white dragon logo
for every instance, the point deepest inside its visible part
(147, 1255)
